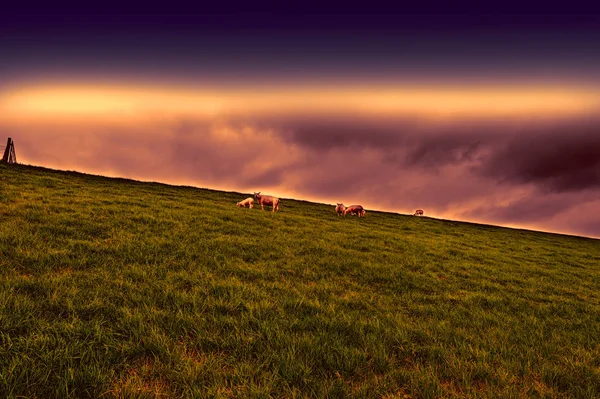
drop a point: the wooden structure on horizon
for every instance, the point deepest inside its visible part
(9, 152)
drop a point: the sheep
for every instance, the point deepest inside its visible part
(355, 210)
(248, 201)
(267, 200)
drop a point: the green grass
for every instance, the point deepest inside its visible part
(116, 288)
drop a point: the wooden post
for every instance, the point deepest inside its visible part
(12, 158)
(7, 150)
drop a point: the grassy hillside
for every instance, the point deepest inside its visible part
(117, 288)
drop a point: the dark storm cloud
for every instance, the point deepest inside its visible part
(436, 151)
(561, 158)
(401, 141)
(425, 141)
(555, 156)
(328, 132)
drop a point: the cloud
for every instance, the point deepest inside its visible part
(562, 158)
(531, 207)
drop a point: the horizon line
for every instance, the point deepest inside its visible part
(511, 227)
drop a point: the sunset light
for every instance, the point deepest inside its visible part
(114, 103)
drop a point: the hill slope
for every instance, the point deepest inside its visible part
(126, 289)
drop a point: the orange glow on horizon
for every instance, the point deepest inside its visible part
(129, 102)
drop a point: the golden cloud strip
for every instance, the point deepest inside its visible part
(128, 102)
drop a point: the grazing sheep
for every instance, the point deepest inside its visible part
(340, 208)
(355, 210)
(248, 201)
(418, 212)
(267, 200)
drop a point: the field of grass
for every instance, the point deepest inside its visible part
(116, 288)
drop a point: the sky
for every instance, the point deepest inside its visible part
(475, 115)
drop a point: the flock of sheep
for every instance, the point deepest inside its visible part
(274, 202)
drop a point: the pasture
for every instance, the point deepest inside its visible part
(114, 288)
